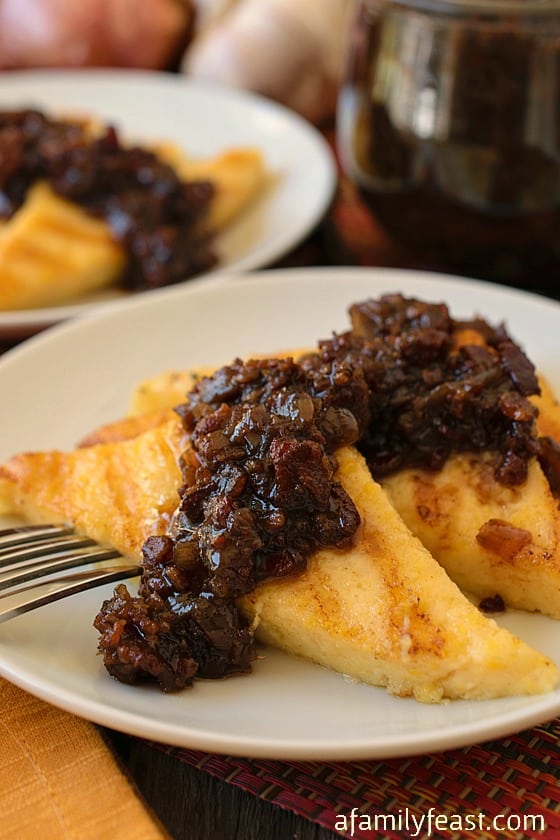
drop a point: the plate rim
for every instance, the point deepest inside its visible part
(403, 746)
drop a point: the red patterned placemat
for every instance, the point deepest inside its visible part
(502, 789)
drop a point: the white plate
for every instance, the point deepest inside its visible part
(204, 119)
(64, 382)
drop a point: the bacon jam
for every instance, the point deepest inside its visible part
(259, 490)
(159, 219)
(259, 495)
(430, 396)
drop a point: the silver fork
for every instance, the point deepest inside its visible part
(40, 564)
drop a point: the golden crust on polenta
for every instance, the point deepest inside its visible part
(64, 243)
(51, 252)
(386, 614)
(489, 538)
(136, 480)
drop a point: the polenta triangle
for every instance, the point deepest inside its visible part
(382, 611)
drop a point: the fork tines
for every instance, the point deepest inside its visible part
(40, 564)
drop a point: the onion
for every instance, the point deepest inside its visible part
(148, 34)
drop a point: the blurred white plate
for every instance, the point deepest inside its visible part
(66, 381)
(204, 119)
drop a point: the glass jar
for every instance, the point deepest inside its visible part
(449, 123)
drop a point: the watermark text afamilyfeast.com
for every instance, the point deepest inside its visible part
(423, 825)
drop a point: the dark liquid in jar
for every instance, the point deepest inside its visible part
(452, 136)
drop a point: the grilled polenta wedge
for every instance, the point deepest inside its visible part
(135, 480)
(387, 614)
(489, 538)
(52, 252)
(383, 611)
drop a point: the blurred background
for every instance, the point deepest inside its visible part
(444, 115)
(288, 50)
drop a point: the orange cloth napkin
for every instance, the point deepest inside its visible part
(58, 779)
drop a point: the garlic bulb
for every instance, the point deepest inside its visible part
(288, 50)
